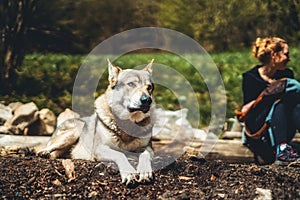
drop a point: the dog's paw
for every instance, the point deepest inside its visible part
(44, 154)
(145, 177)
(144, 172)
(128, 174)
(128, 178)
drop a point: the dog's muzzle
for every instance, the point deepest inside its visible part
(144, 104)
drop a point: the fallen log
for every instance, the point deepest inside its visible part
(226, 150)
(22, 141)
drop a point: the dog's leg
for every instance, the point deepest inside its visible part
(59, 145)
(144, 168)
(128, 173)
(66, 136)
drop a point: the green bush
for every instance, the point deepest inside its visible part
(48, 79)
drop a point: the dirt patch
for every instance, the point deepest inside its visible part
(29, 177)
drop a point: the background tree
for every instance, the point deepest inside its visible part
(27, 26)
(14, 18)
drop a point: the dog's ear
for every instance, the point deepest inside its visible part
(149, 67)
(113, 72)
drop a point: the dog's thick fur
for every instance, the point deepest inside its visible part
(122, 124)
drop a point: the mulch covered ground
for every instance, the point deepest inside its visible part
(25, 176)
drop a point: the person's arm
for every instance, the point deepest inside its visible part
(250, 89)
(252, 86)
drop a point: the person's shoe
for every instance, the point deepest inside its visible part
(285, 154)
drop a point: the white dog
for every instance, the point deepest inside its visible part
(122, 124)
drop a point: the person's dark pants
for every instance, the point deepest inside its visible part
(285, 121)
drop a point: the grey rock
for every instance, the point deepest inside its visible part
(5, 113)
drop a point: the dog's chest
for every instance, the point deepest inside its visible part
(136, 145)
(127, 143)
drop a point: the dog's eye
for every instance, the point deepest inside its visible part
(131, 84)
(150, 88)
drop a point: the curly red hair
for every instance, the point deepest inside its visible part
(262, 47)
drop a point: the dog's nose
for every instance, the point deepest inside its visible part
(145, 99)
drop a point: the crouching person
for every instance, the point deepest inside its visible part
(271, 111)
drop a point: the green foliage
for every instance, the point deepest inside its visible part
(78, 26)
(231, 24)
(48, 79)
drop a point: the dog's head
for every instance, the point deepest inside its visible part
(130, 93)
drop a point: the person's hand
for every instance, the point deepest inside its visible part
(247, 106)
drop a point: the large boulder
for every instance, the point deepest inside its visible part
(15, 105)
(172, 124)
(5, 113)
(44, 125)
(48, 118)
(25, 119)
(24, 115)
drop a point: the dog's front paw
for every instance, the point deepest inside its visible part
(144, 168)
(144, 171)
(128, 176)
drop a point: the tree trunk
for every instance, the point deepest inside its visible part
(14, 24)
